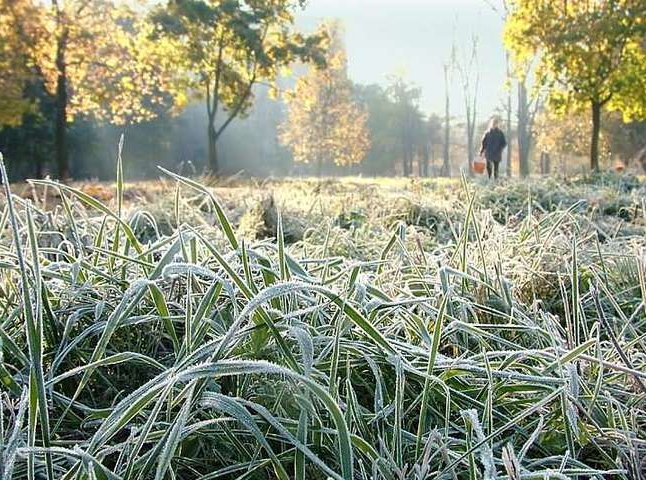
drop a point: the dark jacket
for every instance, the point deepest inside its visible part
(493, 143)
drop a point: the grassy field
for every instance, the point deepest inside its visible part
(348, 329)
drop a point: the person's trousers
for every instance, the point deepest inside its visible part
(492, 165)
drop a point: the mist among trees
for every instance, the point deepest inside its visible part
(232, 86)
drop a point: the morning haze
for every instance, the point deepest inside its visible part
(415, 38)
(383, 40)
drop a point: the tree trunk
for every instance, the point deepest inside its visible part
(213, 152)
(470, 147)
(404, 162)
(509, 149)
(446, 166)
(471, 127)
(596, 128)
(37, 160)
(523, 130)
(410, 160)
(424, 160)
(446, 163)
(60, 118)
(545, 163)
(509, 144)
(404, 140)
(420, 163)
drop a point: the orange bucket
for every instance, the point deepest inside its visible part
(479, 165)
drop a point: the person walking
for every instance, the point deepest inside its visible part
(493, 143)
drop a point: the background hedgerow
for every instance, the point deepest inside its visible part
(344, 329)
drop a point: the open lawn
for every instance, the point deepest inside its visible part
(351, 329)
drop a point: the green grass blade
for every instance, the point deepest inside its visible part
(219, 211)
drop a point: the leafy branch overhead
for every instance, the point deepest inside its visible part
(216, 51)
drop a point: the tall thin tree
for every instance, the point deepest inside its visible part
(470, 78)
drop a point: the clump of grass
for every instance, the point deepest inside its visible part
(260, 221)
(197, 354)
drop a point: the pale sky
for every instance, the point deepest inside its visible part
(415, 37)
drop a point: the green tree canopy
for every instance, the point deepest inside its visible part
(590, 54)
(217, 50)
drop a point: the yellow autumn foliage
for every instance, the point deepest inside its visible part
(324, 124)
(102, 50)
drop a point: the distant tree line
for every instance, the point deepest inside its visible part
(103, 61)
(178, 75)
